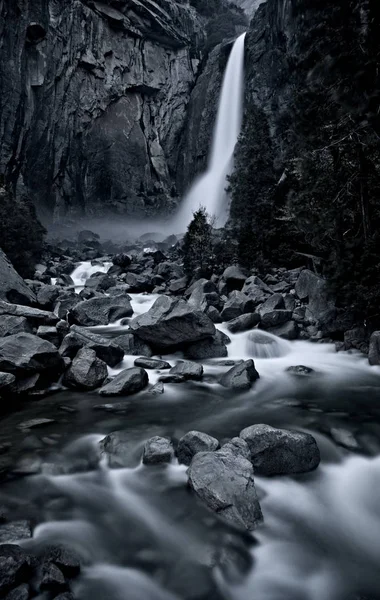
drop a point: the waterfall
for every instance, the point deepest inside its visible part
(209, 189)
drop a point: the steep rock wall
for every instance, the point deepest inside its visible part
(93, 99)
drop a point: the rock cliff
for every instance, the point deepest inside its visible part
(93, 99)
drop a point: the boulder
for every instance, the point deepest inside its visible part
(34, 316)
(240, 377)
(139, 284)
(24, 354)
(312, 288)
(100, 311)
(214, 347)
(213, 314)
(87, 372)
(280, 452)
(129, 381)
(171, 378)
(234, 278)
(300, 370)
(12, 286)
(158, 450)
(10, 324)
(178, 286)
(274, 302)
(236, 305)
(374, 349)
(106, 349)
(193, 442)
(16, 567)
(287, 331)
(50, 334)
(188, 370)
(99, 282)
(257, 290)
(169, 270)
(132, 345)
(224, 481)
(172, 322)
(243, 323)
(275, 318)
(122, 260)
(47, 295)
(65, 559)
(151, 363)
(19, 593)
(6, 381)
(52, 579)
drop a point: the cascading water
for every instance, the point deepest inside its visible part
(209, 189)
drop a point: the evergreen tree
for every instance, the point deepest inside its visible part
(198, 247)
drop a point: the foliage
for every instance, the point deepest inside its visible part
(21, 234)
(197, 246)
(325, 151)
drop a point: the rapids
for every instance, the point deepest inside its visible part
(143, 536)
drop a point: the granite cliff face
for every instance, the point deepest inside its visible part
(93, 102)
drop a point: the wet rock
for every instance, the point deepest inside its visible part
(99, 282)
(172, 378)
(374, 349)
(280, 452)
(10, 324)
(300, 370)
(287, 331)
(67, 560)
(106, 349)
(52, 579)
(118, 447)
(47, 295)
(138, 284)
(158, 450)
(234, 278)
(24, 354)
(125, 383)
(151, 363)
(243, 323)
(224, 481)
(6, 380)
(241, 376)
(16, 567)
(171, 322)
(15, 531)
(344, 438)
(188, 370)
(65, 302)
(100, 311)
(34, 423)
(19, 593)
(238, 446)
(214, 347)
(236, 305)
(132, 345)
(34, 316)
(12, 286)
(193, 442)
(356, 338)
(87, 372)
(157, 389)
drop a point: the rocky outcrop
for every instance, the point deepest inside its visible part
(93, 100)
(12, 286)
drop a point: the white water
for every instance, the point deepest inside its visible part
(209, 189)
(84, 272)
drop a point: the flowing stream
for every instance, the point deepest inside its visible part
(144, 536)
(209, 189)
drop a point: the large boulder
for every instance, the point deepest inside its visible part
(287, 331)
(257, 290)
(34, 316)
(47, 295)
(236, 305)
(241, 376)
(224, 481)
(125, 383)
(192, 443)
(87, 372)
(374, 349)
(106, 349)
(101, 310)
(24, 354)
(10, 324)
(234, 278)
(214, 347)
(275, 302)
(158, 450)
(12, 286)
(280, 452)
(275, 318)
(172, 322)
(243, 323)
(132, 345)
(315, 290)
